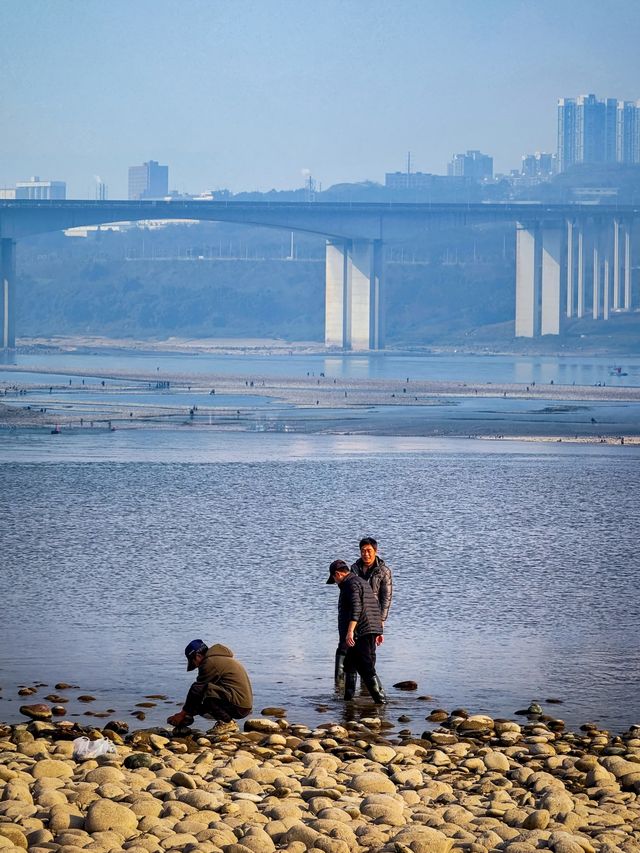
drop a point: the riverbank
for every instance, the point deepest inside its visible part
(592, 344)
(471, 785)
(138, 398)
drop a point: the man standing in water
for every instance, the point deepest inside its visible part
(222, 690)
(376, 572)
(360, 629)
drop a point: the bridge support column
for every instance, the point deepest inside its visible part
(627, 265)
(7, 292)
(581, 269)
(616, 265)
(595, 301)
(527, 282)
(354, 289)
(337, 303)
(570, 271)
(551, 251)
(606, 284)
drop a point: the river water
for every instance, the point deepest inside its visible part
(454, 367)
(515, 566)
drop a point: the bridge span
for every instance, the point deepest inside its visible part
(571, 259)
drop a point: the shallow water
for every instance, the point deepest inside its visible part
(455, 367)
(515, 565)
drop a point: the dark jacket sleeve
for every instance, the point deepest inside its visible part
(354, 607)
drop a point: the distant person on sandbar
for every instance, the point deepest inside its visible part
(377, 573)
(360, 629)
(222, 690)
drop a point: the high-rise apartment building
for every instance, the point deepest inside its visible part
(151, 180)
(628, 132)
(35, 189)
(538, 165)
(473, 164)
(592, 131)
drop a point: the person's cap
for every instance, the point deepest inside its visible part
(337, 566)
(193, 647)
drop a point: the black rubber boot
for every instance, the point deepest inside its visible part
(350, 684)
(339, 670)
(376, 690)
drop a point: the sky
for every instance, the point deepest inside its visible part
(256, 94)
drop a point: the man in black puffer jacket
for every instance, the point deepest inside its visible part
(360, 629)
(373, 569)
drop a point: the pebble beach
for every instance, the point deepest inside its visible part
(467, 783)
(471, 784)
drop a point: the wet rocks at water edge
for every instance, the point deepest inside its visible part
(472, 785)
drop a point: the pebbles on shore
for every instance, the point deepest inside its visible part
(474, 785)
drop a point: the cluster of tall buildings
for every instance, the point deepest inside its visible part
(593, 131)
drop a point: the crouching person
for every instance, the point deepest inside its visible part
(222, 690)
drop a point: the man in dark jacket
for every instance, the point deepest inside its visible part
(377, 573)
(222, 690)
(360, 629)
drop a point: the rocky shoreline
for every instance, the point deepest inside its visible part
(474, 784)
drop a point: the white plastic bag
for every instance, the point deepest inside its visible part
(83, 748)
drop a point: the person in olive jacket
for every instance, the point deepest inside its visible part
(377, 573)
(360, 629)
(222, 690)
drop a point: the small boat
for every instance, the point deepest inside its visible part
(617, 371)
(56, 430)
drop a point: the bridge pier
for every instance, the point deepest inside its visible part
(353, 289)
(586, 268)
(7, 294)
(538, 259)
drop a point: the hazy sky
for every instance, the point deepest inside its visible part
(246, 94)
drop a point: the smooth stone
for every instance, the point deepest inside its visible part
(423, 839)
(502, 726)
(39, 711)
(260, 725)
(14, 834)
(383, 808)
(556, 802)
(496, 761)
(539, 819)
(371, 782)
(406, 685)
(199, 799)
(381, 754)
(52, 767)
(106, 814)
(476, 722)
(184, 780)
(102, 775)
(440, 738)
(410, 777)
(139, 759)
(438, 715)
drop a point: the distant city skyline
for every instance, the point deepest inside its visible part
(252, 95)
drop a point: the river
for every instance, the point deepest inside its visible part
(515, 566)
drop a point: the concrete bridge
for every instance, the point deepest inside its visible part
(570, 259)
